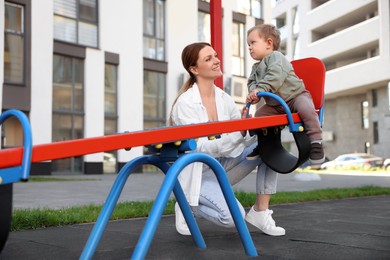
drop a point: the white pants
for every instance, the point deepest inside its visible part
(212, 204)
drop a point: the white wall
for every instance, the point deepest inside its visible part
(41, 72)
(93, 98)
(384, 30)
(121, 32)
(182, 29)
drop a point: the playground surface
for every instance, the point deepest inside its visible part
(340, 229)
(357, 228)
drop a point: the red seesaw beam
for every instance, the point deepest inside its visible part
(65, 149)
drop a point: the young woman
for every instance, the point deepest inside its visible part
(200, 101)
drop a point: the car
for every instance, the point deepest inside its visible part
(310, 166)
(109, 163)
(355, 161)
(386, 165)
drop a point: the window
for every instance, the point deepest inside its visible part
(374, 98)
(204, 22)
(11, 133)
(154, 29)
(154, 104)
(238, 49)
(280, 23)
(365, 119)
(68, 107)
(256, 9)
(76, 21)
(250, 7)
(14, 43)
(17, 55)
(110, 99)
(110, 113)
(376, 132)
(204, 34)
(388, 94)
(154, 99)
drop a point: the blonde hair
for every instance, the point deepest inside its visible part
(189, 58)
(268, 31)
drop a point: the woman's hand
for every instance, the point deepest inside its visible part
(244, 114)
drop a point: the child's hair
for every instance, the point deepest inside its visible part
(268, 31)
(189, 58)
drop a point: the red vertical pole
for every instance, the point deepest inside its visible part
(216, 33)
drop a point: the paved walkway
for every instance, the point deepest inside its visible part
(340, 229)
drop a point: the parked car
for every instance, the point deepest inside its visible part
(354, 161)
(109, 163)
(310, 166)
(386, 165)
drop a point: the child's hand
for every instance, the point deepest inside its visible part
(252, 97)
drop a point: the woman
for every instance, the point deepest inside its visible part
(200, 101)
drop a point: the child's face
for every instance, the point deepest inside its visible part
(259, 47)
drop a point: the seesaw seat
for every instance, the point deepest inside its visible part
(276, 156)
(312, 72)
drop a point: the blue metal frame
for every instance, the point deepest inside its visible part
(170, 153)
(169, 184)
(293, 127)
(22, 172)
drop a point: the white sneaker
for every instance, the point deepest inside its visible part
(263, 220)
(181, 225)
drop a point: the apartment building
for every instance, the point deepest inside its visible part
(352, 38)
(89, 68)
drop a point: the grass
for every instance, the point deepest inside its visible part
(41, 218)
(47, 179)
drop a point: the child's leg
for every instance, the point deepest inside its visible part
(303, 105)
(266, 110)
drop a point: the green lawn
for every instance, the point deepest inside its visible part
(40, 218)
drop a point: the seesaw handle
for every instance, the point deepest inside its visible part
(292, 126)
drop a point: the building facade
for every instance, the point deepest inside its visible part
(352, 38)
(89, 68)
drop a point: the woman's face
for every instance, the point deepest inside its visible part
(207, 65)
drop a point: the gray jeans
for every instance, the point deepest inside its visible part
(212, 204)
(303, 105)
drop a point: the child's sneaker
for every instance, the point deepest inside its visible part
(317, 155)
(254, 154)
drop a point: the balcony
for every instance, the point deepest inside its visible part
(339, 14)
(360, 36)
(357, 77)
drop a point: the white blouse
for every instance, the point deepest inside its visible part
(190, 110)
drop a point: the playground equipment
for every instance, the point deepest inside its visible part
(168, 153)
(170, 158)
(13, 174)
(312, 72)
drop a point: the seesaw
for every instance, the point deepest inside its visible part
(15, 162)
(310, 70)
(78, 147)
(170, 157)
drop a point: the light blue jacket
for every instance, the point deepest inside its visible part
(275, 74)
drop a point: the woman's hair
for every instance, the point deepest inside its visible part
(267, 31)
(189, 58)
